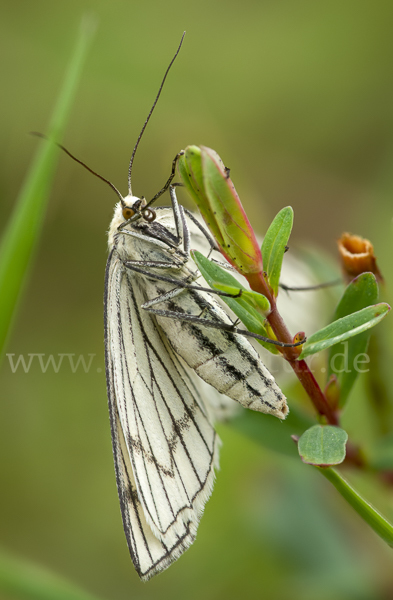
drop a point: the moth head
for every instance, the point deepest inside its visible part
(133, 208)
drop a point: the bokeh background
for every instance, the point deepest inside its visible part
(297, 98)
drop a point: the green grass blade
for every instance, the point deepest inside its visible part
(367, 512)
(22, 233)
(22, 579)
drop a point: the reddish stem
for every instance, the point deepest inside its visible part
(258, 284)
(313, 390)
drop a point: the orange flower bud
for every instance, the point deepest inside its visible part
(357, 256)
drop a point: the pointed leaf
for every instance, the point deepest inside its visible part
(323, 445)
(344, 328)
(274, 244)
(346, 359)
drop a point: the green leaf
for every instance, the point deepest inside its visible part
(251, 318)
(323, 445)
(344, 328)
(254, 299)
(271, 433)
(368, 513)
(345, 358)
(274, 244)
(22, 233)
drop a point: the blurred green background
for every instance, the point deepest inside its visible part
(297, 98)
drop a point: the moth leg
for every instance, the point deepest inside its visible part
(203, 312)
(146, 238)
(182, 231)
(163, 297)
(225, 266)
(151, 263)
(208, 236)
(171, 176)
(307, 288)
(219, 325)
(283, 286)
(176, 214)
(184, 284)
(186, 232)
(179, 213)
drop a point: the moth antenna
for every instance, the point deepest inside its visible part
(114, 188)
(149, 115)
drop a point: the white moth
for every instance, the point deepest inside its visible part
(165, 447)
(159, 362)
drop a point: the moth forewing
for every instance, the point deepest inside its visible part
(164, 445)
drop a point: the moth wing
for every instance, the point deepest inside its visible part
(165, 447)
(220, 406)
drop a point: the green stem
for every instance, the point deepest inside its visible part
(366, 511)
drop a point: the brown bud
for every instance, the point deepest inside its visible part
(300, 336)
(357, 256)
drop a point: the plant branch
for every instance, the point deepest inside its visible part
(258, 284)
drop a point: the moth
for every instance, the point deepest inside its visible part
(164, 443)
(166, 338)
(175, 361)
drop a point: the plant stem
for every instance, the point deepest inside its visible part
(258, 284)
(313, 390)
(367, 512)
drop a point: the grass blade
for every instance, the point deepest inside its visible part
(22, 579)
(22, 233)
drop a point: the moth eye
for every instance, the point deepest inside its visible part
(149, 215)
(128, 213)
